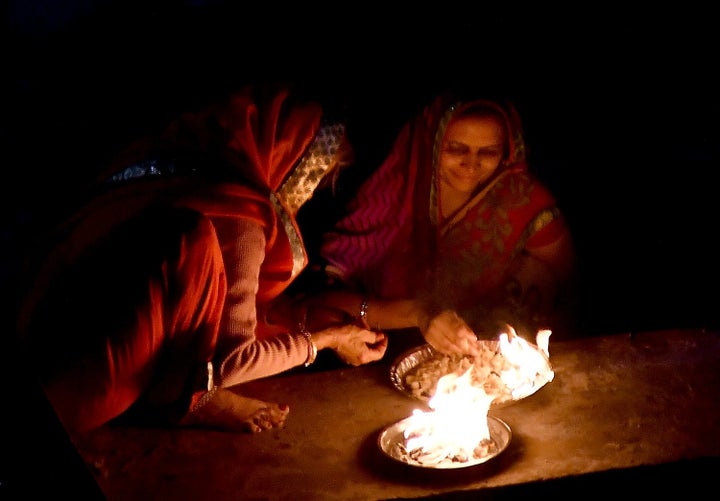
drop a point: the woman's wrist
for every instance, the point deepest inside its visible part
(423, 313)
(326, 338)
(363, 312)
(311, 346)
(422, 320)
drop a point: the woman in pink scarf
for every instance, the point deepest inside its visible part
(151, 300)
(452, 234)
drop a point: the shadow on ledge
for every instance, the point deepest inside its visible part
(686, 477)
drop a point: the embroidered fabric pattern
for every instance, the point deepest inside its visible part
(301, 183)
(296, 244)
(306, 176)
(150, 167)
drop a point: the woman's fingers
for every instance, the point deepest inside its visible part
(361, 346)
(449, 333)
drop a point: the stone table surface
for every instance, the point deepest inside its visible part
(643, 404)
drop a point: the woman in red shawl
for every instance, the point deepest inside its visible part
(452, 234)
(152, 299)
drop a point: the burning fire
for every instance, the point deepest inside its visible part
(456, 430)
(527, 362)
(456, 427)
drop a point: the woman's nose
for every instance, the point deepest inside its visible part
(472, 161)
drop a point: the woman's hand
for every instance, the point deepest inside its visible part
(353, 345)
(448, 333)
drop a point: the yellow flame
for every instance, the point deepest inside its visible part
(458, 422)
(525, 360)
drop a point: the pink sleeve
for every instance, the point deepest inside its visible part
(241, 356)
(379, 209)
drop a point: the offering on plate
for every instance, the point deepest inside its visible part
(395, 442)
(508, 369)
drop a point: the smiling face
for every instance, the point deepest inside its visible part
(472, 149)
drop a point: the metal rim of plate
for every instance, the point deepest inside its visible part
(392, 436)
(413, 357)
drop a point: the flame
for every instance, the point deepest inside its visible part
(457, 424)
(526, 362)
(457, 427)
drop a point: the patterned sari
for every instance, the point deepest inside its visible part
(392, 243)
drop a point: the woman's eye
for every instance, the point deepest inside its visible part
(489, 154)
(456, 149)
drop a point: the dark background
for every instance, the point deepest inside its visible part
(620, 108)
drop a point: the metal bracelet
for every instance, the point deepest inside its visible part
(363, 311)
(312, 347)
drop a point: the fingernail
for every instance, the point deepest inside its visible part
(284, 407)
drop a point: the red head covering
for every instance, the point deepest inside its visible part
(140, 283)
(258, 135)
(265, 135)
(252, 147)
(391, 243)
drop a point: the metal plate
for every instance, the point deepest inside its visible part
(407, 362)
(392, 440)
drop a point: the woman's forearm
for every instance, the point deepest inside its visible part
(380, 314)
(395, 314)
